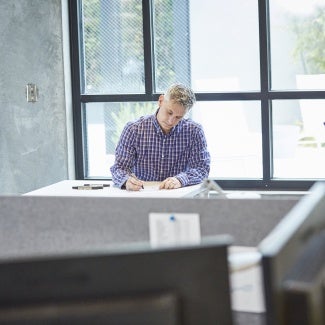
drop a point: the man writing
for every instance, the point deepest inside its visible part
(163, 147)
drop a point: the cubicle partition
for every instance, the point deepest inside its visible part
(44, 226)
(31, 224)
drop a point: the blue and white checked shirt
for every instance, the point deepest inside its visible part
(151, 155)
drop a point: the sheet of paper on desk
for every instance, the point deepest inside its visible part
(247, 293)
(151, 186)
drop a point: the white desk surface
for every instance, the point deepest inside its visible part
(64, 188)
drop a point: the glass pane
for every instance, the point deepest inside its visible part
(113, 47)
(299, 138)
(297, 44)
(104, 124)
(207, 44)
(233, 132)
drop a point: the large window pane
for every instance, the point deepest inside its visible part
(297, 44)
(113, 47)
(299, 138)
(210, 45)
(233, 132)
(171, 43)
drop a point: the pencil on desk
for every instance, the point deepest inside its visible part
(133, 175)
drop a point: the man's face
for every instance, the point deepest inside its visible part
(169, 114)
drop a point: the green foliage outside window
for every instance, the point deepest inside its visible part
(164, 36)
(91, 32)
(310, 41)
(124, 113)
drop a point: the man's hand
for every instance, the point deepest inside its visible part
(170, 183)
(133, 184)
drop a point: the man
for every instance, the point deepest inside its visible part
(163, 147)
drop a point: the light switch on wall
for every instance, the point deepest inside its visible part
(31, 93)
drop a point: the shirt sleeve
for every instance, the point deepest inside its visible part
(198, 167)
(124, 156)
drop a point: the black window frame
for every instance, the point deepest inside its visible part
(265, 96)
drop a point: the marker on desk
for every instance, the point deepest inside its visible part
(98, 185)
(87, 187)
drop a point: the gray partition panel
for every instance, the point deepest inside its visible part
(44, 225)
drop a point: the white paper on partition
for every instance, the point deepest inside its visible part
(174, 228)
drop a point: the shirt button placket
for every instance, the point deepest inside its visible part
(162, 156)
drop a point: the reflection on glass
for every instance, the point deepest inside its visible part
(299, 138)
(208, 45)
(233, 132)
(297, 44)
(113, 47)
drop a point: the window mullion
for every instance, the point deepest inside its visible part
(148, 46)
(265, 79)
(75, 50)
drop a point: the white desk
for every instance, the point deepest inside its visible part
(64, 188)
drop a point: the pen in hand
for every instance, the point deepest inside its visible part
(133, 176)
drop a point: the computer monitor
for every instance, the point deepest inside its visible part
(293, 263)
(186, 285)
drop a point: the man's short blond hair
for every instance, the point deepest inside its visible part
(182, 95)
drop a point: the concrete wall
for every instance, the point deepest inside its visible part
(34, 138)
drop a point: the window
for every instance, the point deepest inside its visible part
(257, 68)
(298, 64)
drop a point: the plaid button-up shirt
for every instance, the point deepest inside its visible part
(151, 155)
